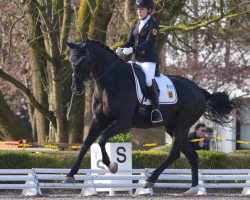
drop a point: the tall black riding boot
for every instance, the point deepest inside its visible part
(155, 114)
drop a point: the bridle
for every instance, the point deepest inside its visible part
(78, 62)
(88, 75)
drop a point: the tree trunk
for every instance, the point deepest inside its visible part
(173, 11)
(38, 70)
(148, 136)
(58, 103)
(76, 119)
(129, 9)
(76, 108)
(51, 23)
(100, 20)
(88, 109)
(66, 20)
(10, 125)
(97, 30)
(82, 22)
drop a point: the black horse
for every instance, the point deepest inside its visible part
(116, 107)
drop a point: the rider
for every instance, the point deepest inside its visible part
(140, 43)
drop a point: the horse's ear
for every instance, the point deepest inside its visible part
(70, 44)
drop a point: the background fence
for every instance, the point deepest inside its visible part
(33, 181)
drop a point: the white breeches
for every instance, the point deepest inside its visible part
(149, 69)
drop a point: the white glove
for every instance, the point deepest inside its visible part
(118, 51)
(127, 51)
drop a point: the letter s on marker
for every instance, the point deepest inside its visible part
(121, 154)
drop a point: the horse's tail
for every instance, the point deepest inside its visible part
(219, 107)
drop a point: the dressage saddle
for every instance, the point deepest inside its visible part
(142, 79)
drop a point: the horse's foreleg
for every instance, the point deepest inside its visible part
(94, 131)
(115, 128)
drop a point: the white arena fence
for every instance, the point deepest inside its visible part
(32, 181)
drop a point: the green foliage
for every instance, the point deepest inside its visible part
(207, 160)
(121, 138)
(211, 153)
(27, 160)
(140, 159)
(241, 152)
(212, 159)
(147, 159)
(237, 161)
(11, 159)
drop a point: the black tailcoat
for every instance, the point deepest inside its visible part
(143, 43)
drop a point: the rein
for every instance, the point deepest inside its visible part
(90, 75)
(102, 73)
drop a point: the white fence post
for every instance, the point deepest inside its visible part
(32, 191)
(143, 191)
(89, 191)
(246, 190)
(121, 153)
(33, 180)
(202, 190)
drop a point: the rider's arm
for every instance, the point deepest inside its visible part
(131, 39)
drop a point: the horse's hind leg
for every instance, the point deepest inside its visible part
(192, 157)
(178, 134)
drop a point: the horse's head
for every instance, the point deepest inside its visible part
(80, 61)
(90, 59)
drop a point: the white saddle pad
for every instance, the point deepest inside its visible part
(167, 95)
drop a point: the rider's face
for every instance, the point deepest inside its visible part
(201, 131)
(142, 12)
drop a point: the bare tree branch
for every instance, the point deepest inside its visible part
(40, 51)
(202, 23)
(26, 91)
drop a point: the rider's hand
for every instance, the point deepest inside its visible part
(118, 51)
(127, 51)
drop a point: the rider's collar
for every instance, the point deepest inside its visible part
(144, 21)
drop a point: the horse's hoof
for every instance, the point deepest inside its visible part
(68, 180)
(192, 191)
(148, 184)
(113, 167)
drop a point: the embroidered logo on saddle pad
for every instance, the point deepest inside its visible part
(167, 94)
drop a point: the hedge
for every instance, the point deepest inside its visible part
(141, 159)
(26, 160)
(241, 152)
